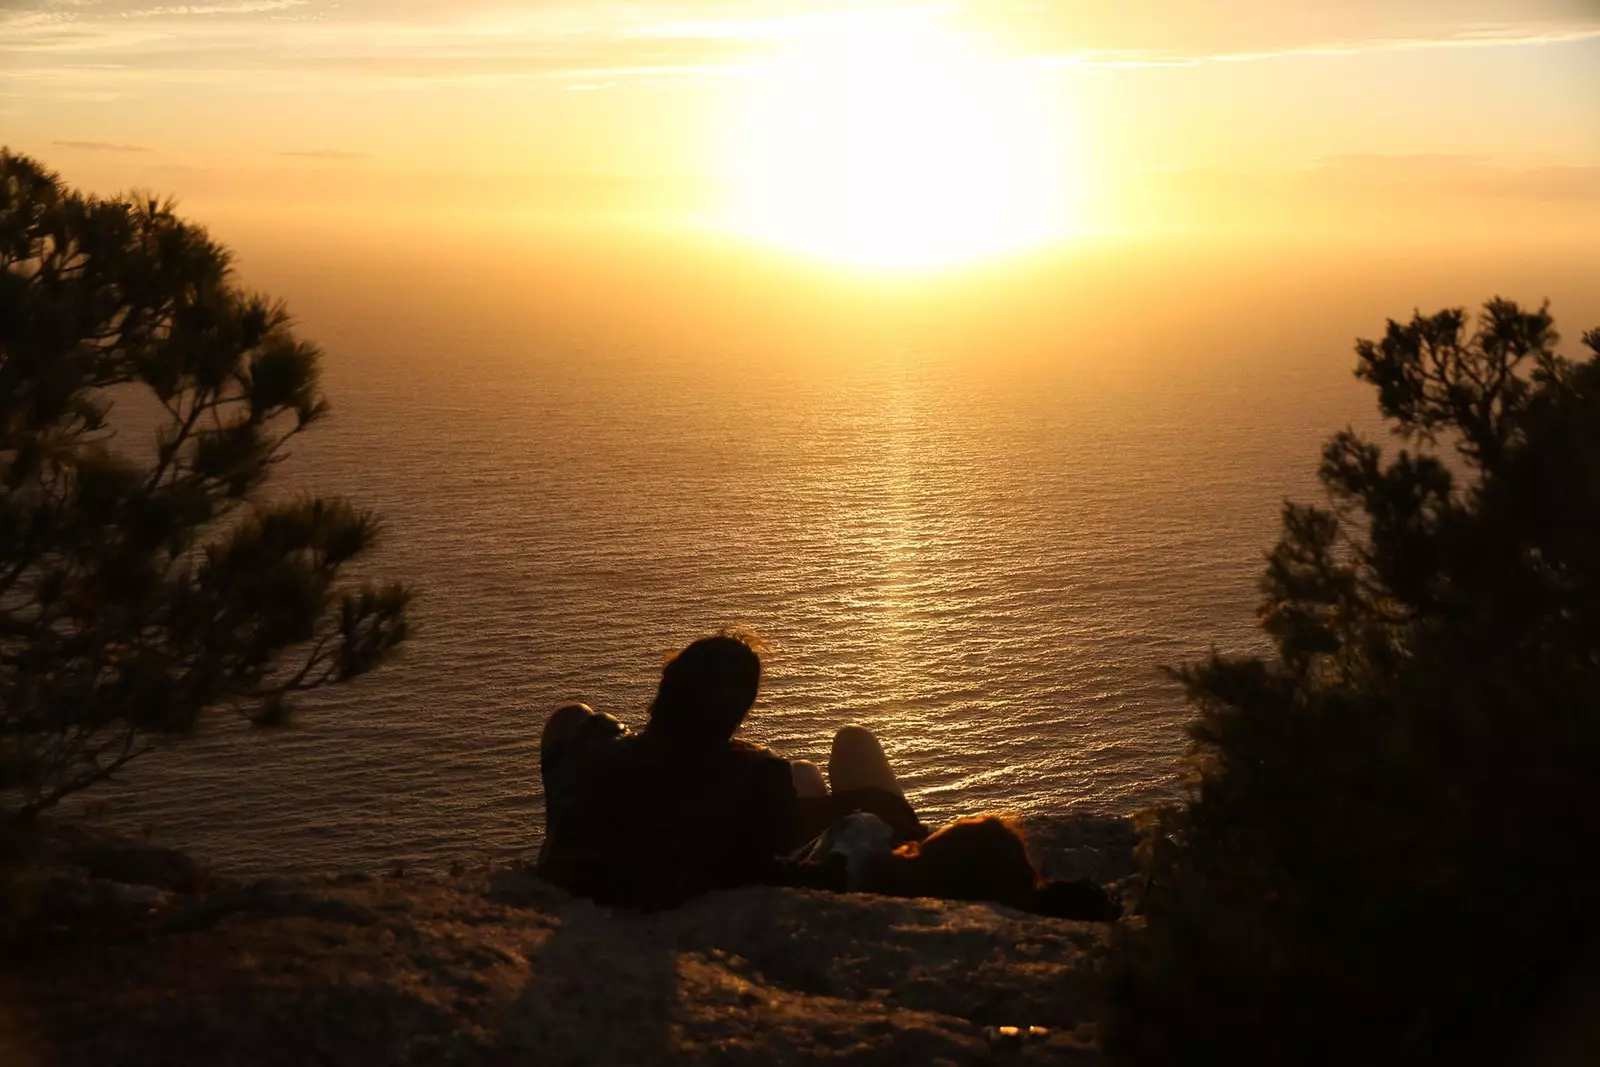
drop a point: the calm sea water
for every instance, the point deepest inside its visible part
(984, 560)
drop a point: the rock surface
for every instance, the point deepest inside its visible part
(124, 860)
(502, 968)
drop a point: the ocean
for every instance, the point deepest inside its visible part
(981, 535)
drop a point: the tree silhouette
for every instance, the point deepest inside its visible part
(142, 586)
(1386, 853)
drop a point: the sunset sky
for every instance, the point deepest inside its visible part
(834, 129)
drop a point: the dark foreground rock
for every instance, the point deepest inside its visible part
(100, 855)
(504, 969)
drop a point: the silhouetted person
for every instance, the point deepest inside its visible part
(649, 820)
(986, 858)
(982, 858)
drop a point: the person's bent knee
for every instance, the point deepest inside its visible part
(807, 778)
(858, 761)
(854, 734)
(857, 742)
(563, 721)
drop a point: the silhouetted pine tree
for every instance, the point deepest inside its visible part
(1389, 854)
(145, 582)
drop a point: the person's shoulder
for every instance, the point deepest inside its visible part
(762, 771)
(749, 751)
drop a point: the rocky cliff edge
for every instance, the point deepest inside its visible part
(150, 964)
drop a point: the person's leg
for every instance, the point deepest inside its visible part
(808, 783)
(560, 730)
(858, 762)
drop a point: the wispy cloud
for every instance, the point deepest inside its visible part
(1509, 37)
(100, 146)
(1398, 178)
(76, 45)
(1433, 174)
(336, 154)
(241, 7)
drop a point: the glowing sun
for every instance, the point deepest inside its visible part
(889, 143)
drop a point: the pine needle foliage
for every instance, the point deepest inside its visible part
(1388, 851)
(147, 580)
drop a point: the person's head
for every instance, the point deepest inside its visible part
(707, 688)
(982, 858)
(987, 858)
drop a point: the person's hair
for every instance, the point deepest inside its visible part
(986, 858)
(981, 858)
(707, 688)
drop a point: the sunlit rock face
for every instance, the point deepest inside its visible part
(497, 967)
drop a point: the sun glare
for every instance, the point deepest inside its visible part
(893, 143)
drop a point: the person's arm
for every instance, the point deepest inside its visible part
(889, 806)
(831, 873)
(572, 737)
(574, 726)
(761, 826)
